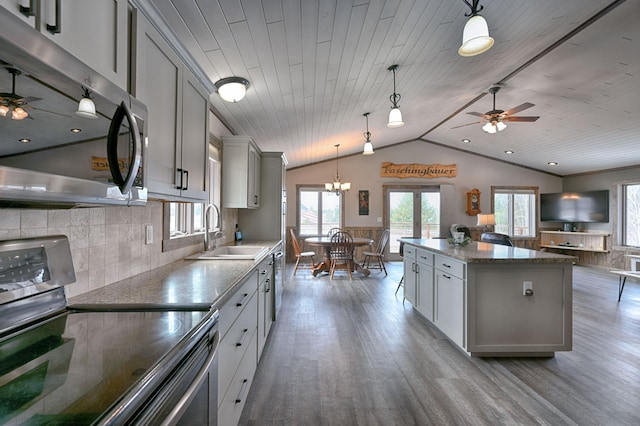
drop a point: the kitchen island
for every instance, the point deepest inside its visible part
(492, 300)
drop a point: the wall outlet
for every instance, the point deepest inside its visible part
(379, 220)
(527, 288)
(148, 234)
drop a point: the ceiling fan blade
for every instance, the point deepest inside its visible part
(519, 108)
(28, 99)
(522, 119)
(478, 114)
(468, 124)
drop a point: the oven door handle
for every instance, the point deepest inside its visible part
(181, 406)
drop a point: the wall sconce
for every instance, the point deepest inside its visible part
(475, 37)
(486, 220)
(232, 89)
(368, 146)
(395, 116)
(86, 107)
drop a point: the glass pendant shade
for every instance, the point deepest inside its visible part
(475, 37)
(395, 118)
(368, 149)
(500, 126)
(4, 110)
(86, 108)
(489, 128)
(19, 114)
(232, 89)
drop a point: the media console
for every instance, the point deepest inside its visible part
(581, 241)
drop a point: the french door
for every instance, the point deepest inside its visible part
(411, 211)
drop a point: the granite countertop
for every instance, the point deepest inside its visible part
(479, 252)
(199, 284)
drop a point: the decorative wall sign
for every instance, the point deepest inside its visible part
(473, 202)
(363, 203)
(99, 163)
(426, 171)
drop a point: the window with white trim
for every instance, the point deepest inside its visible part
(317, 211)
(515, 208)
(630, 209)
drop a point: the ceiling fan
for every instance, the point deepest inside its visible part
(11, 102)
(495, 120)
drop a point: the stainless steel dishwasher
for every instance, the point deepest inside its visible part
(97, 365)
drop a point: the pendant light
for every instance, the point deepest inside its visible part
(368, 146)
(475, 37)
(86, 107)
(395, 116)
(337, 186)
(232, 89)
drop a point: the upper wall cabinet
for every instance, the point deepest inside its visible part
(176, 154)
(240, 173)
(94, 31)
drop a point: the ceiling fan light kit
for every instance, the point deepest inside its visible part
(395, 116)
(368, 146)
(475, 37)
(11, 101)
(232, 89)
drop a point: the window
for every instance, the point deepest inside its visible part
(631, 214)
(318, 211)
(516, 209)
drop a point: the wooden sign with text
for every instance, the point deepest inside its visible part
(99, 163)
(426, 171)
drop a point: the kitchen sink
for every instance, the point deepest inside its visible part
(232, 252)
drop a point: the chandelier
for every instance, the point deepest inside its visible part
(337, 186)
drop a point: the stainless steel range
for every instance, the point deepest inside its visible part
(62, 364)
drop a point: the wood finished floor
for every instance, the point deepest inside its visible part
(351, 353)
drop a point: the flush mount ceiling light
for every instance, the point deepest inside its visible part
(337, 186)
(86, 107)
(232, 89)
(368, 146)
(475, 37)
(395, 116)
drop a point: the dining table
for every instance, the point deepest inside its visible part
(325, 243)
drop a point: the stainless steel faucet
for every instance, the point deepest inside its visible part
(207, 227)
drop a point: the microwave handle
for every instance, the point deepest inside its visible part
(121, 113)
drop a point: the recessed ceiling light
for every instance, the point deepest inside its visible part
(508, 152)
(24, 140)
(552, 163)
(466, 140)
(76, 130)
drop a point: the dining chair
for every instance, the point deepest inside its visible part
(333, 231)
(341, 253)
(497, 238)
(378, 254)
(301, 254)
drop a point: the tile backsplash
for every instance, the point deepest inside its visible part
(107, 243)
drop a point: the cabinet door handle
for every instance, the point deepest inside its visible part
(255, 200)
(28, 10)
(446, 266)
(241, 302)
(184, 188)
(413, 267)
(179, 186)
(57, 27)
(267, 285)
(243, 388)
(245, 332)
(263, 272)
(446, 276)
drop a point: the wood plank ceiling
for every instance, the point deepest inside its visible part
(316, 66)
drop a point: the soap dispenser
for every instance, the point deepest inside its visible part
(238, 234)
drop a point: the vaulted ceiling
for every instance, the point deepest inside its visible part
(316, 66)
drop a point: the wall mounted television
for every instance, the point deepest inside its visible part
(582, 207)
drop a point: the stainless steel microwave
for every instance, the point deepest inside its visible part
(49, 154)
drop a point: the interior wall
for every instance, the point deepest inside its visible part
(363, 172)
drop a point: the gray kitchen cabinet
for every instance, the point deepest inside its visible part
(424, 284)
(265, 302)
(240, 173)
(410, 271)
(176, 154)
(449, 298)
(94, 31)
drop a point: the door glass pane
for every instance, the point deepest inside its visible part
(400, 218)
(521, 214)
(430, 215)
(330, 211)
(501, 210)
(632, 215)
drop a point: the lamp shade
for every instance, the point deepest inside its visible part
(395, 118)
(475, 37)
(368, 149)
(86, 108)
(4, 110)
(500, 126)
(18, 114)
(232, 89)
(486, 219)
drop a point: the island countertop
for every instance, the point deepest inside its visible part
(195, 284)
(479, 252)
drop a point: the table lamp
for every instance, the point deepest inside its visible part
(486, 220)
